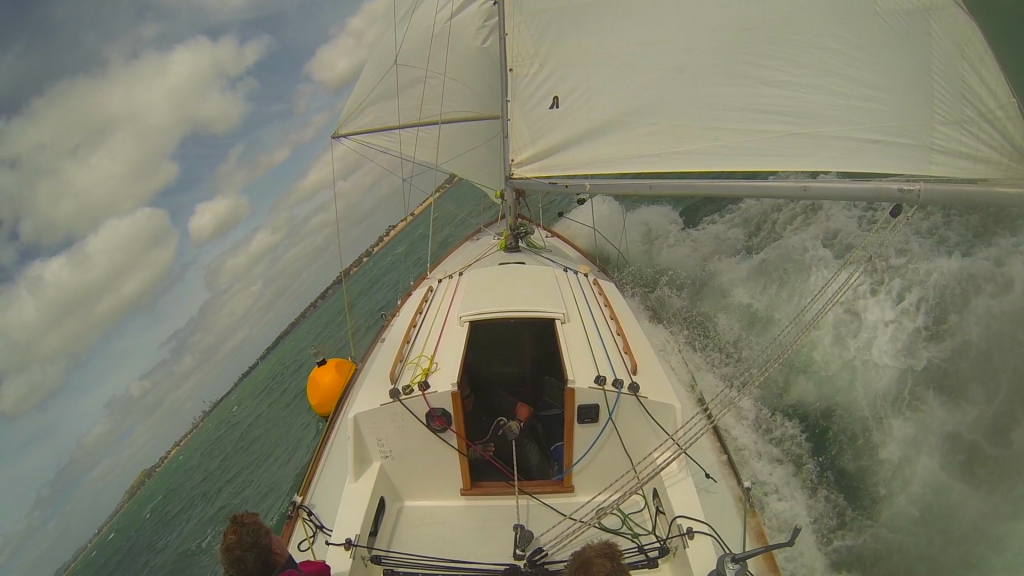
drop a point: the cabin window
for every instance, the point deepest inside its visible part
(513, 370)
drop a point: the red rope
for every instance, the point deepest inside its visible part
(441, 424)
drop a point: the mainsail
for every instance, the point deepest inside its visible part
(904, 95)
(903, 87)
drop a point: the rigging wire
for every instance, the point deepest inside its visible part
(593, 319)
(341, 258)
(440, 116)
(593, 356)
(692, 430)
(411, 185)
(398, 111)
(429, 367)
(600, 433)
(525, 492)
(678, 445)
(622, 358)
(686, 429)
(387, 152)
(313, 526)
(423, 97)
(590, 344)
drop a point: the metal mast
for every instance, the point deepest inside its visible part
(508, 193)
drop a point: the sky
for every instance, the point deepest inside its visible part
(165, 211)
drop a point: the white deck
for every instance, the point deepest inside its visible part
(378, 449)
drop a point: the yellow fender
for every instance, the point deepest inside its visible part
(326, 383)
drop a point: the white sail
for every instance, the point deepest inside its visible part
(904, 87)
(444, 77)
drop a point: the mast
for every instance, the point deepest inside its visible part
(508, 193)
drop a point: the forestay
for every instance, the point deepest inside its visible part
(902, 87)
(434, 69)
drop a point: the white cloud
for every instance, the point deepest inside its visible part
(247, 256)
(102, 144)
(337, 63)
(355, 175)
(216, 217)
(235, 172)
(316, 178)
(256, 287)
(58, 308)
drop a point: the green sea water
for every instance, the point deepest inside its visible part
(253, 449)
(896, 435)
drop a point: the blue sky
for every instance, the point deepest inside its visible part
(165, 210)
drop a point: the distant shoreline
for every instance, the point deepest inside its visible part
(140, 481)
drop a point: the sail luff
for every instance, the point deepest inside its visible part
(1005, 194)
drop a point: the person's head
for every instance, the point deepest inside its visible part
(250, 548)
(601, 558)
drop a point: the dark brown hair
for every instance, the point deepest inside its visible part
(601, 558)
(247, 548)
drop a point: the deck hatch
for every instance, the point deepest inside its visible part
(512, 292)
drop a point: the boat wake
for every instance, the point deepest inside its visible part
(895, 433)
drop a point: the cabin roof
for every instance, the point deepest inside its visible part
(534, 293)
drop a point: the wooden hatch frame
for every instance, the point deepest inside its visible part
(491, 488)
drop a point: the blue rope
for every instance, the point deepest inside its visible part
(618, 391)
(618, 394)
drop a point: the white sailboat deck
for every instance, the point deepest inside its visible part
(379, 450)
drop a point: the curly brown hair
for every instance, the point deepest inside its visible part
(247, 548)
(601, 558)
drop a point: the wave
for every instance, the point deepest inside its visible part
(895, 433)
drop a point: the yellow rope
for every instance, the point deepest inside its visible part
(306, 530)
(422, 371)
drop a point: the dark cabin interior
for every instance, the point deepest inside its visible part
(520, 357)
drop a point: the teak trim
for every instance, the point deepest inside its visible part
(618, 327)
(407, 339)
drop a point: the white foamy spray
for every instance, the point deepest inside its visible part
(895, 433)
